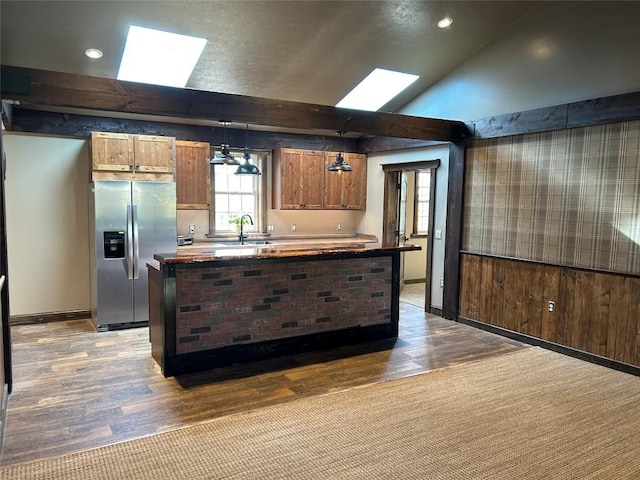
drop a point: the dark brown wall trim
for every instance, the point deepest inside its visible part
(49, 317)
(597, 111)
(411, 166)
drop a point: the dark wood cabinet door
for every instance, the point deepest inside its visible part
(346, 190)
(193, 180)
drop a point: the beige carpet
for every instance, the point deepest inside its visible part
(528, 414)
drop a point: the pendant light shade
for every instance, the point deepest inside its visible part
(247, 168)
(339, 164)
(224, 156)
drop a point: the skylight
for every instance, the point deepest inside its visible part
(159, 58)
(377, 89)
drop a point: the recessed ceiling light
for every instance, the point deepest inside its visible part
(377, 89)
(93, 53)
(158, 57)
(445, 22)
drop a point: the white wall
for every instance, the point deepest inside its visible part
(47, 223)
(372, 218)
(557, 54)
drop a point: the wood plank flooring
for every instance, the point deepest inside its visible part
(413, 293)
(76, 389)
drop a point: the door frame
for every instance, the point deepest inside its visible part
(392, 178)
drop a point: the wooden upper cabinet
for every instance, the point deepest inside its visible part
(193, 179)
(346, 190)
(154, 154)
(132, 157)
(299, 179)
(356, 186)
(112, 152)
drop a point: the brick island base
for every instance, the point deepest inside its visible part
(210, 314)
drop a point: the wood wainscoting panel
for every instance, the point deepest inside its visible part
(471, 279)
(486, 301)
(632, 350)
(594, 312)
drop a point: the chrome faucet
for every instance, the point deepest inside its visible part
(242, 235)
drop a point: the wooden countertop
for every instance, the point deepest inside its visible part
(216, 253)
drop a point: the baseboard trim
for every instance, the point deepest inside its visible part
(49, 317)
(415, 280)
(556, 347)
(436, 311)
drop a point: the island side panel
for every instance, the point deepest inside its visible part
(218, 305)
(156, 311)
(161, 287)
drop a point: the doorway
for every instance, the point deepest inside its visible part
(409, 207)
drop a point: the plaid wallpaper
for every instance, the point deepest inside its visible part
(569, 197)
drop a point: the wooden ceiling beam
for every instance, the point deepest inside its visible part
(57, 89)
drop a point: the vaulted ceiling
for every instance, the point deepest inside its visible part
(302, 51)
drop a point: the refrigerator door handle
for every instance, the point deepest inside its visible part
(136, 243)
(130, 250)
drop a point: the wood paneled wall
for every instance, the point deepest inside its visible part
(595, 312)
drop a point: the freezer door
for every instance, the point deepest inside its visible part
(113, 290)
(154, 226)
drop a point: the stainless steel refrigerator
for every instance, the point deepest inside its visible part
(129, 222)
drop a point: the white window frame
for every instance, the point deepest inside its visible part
(424, 196)
(218, 224)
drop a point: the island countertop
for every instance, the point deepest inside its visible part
(216, 253)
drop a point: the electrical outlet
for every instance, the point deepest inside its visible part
(293, 227)
(192, 229)
(438, 234)
(339, 227)
(442, 283)
(551, 306)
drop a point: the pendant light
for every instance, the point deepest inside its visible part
(247, 168)
(224, 156)
(339, 164)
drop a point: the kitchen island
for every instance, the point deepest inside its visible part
(215, 306)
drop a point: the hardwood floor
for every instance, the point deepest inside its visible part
(413, 293)
(75, 388)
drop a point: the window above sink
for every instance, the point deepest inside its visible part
(234, 195)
